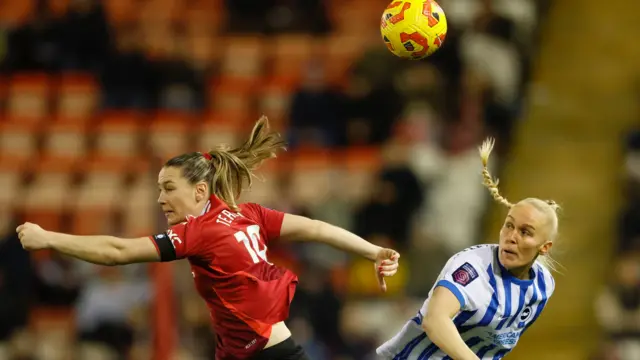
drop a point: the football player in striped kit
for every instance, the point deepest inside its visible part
(486, 296)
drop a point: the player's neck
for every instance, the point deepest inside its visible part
(522, 273)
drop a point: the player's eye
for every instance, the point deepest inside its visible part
(508, 225)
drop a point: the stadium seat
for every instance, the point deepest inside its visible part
(290, 55)
(243, 57)
(100, 194)
(117, 134)
(46, 197)
(28, 97)
(169, 134)
(264, 189)
(340, 52)
(275, 101)
(140, 209)
(58, 7)
(311, 176)
(18, 140)
(11, 179)
(161, 11)
(219, 129)
(231, 95)
(16, 12)
(121, 11)
(77, 97)
(65, 139)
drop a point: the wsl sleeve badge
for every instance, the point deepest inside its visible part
(465, 274)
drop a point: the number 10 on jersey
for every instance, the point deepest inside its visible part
(251, 240)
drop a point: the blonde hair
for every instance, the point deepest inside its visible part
(549, 207)
(228, 170)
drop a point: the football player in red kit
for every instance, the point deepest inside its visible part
(226, 244)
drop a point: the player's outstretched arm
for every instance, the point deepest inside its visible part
(439, 326)
(102, 250)
(299, 228)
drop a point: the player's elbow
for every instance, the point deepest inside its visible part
(431, 323)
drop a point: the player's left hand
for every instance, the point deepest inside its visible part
(32, 236)
(386, 265)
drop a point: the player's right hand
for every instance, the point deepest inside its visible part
(32, 236)
(386, 265)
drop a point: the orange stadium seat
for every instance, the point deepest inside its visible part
(28, 97)
(121, 11)
(203, 17)
(157, 38)
(201, 48)
(340, 54)
(78, 96)
(231, 95)
(19, 140)
(265, 187)
(275, 101)
(16, 12)
(169, 134)
(161, 11)
(65, 139)
(46, 197)
(243, 57)
(99, 195)
(118, 133)
(311, 176)
(140, 208)
(290, 55)
(11, 180)
(58, 7)
(220, 129)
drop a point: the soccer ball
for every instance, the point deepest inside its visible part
(413, 29)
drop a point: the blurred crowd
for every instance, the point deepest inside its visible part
(618, 305)
(426, 117)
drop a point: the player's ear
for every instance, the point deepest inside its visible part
(544, 249)
(201, 191)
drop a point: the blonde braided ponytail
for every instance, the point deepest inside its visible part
(487, 180)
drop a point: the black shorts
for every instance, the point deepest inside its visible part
(286, 350)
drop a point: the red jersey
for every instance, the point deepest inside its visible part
(227, 251)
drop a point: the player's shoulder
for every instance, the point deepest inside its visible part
(479, 255)
(546, 277)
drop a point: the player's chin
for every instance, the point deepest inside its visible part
(172, 219)
(508, 260)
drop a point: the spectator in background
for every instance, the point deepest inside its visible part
(278, 16)
(125, 76)
(179, 86)
(16, 286)
(85, 35)
(57, 281)
(315, 115)
(36, 45)
(395, 197)
(105, 306)
(630, 220)
(618, 307)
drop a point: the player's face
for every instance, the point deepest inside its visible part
(177, 197)
(523, 237)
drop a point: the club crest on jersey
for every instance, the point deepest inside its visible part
(465, 274)
(525, 315)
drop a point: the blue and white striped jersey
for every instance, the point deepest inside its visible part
(496, 307)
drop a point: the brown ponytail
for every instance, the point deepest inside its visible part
(228, 170)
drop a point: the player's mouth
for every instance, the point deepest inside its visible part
(509, 252)
(168, 213)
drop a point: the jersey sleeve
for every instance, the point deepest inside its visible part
(466, 277)
(178, 242)
(269, 220)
